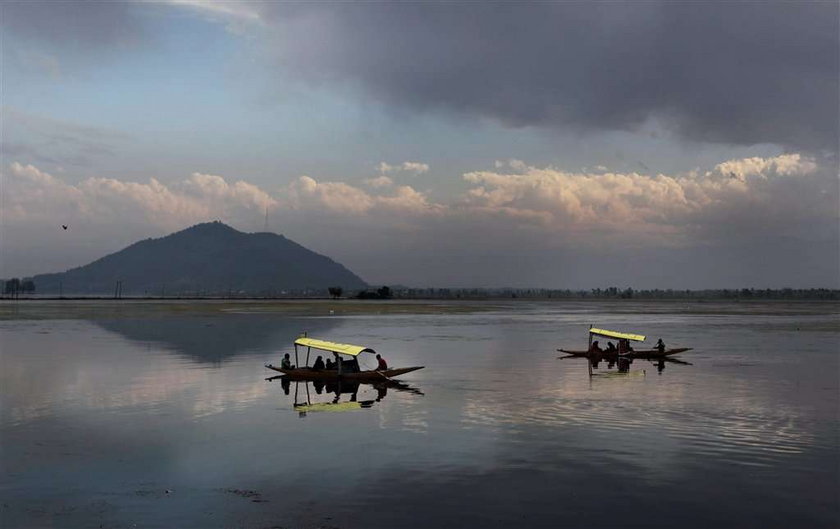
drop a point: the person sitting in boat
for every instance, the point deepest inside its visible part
(319, 364)
(286, 363)
(660, 346)
(595, 348)
(611, 348)
(382, 365)
(329, 365)
(347, 366)
(624, 347)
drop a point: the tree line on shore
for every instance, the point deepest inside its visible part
(618, 293)
(15, 287)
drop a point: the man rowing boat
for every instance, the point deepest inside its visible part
(660, 346)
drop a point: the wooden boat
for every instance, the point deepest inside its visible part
(307, 373)
(640, 353)
(623, 353)
(346, 370)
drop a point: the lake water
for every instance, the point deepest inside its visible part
(115, 417)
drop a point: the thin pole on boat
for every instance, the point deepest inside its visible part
(307, 355)
(297, 362)
(588, 352)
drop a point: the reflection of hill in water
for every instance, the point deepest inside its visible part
(216, 338)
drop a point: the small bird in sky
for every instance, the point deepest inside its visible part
(64, 226)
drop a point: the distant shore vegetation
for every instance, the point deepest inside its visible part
(16, 288)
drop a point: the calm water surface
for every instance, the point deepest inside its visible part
(168, 421)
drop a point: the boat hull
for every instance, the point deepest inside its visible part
(642, 353)
(372, 376)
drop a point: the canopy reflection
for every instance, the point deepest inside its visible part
(345, 393)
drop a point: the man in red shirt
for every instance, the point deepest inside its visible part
(383, 365)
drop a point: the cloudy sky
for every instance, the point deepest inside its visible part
(570, 145)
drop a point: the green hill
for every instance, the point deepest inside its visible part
(210, 258)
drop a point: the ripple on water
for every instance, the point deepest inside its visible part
(749, 437)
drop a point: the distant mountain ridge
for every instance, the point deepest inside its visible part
(208, 258)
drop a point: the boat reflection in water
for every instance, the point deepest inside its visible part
(622, 364)
(345, 393)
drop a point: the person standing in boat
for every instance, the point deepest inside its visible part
(595, 348)
(611, 348)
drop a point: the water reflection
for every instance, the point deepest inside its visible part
(217, 338)
(603, 364)
(345, 393)
(183, 406)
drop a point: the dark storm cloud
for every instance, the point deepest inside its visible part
(740, 73)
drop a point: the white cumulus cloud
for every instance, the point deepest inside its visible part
(515, 209)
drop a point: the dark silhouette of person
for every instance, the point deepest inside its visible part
(319, 364)
(622, 346)
(660, 346)
(595, 348)
(382, 365)
(286, 363)
(611, 348)
(350, 366)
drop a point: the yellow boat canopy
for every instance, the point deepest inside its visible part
(618, 335)
(333, 347)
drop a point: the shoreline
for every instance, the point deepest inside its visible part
(111, 308)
